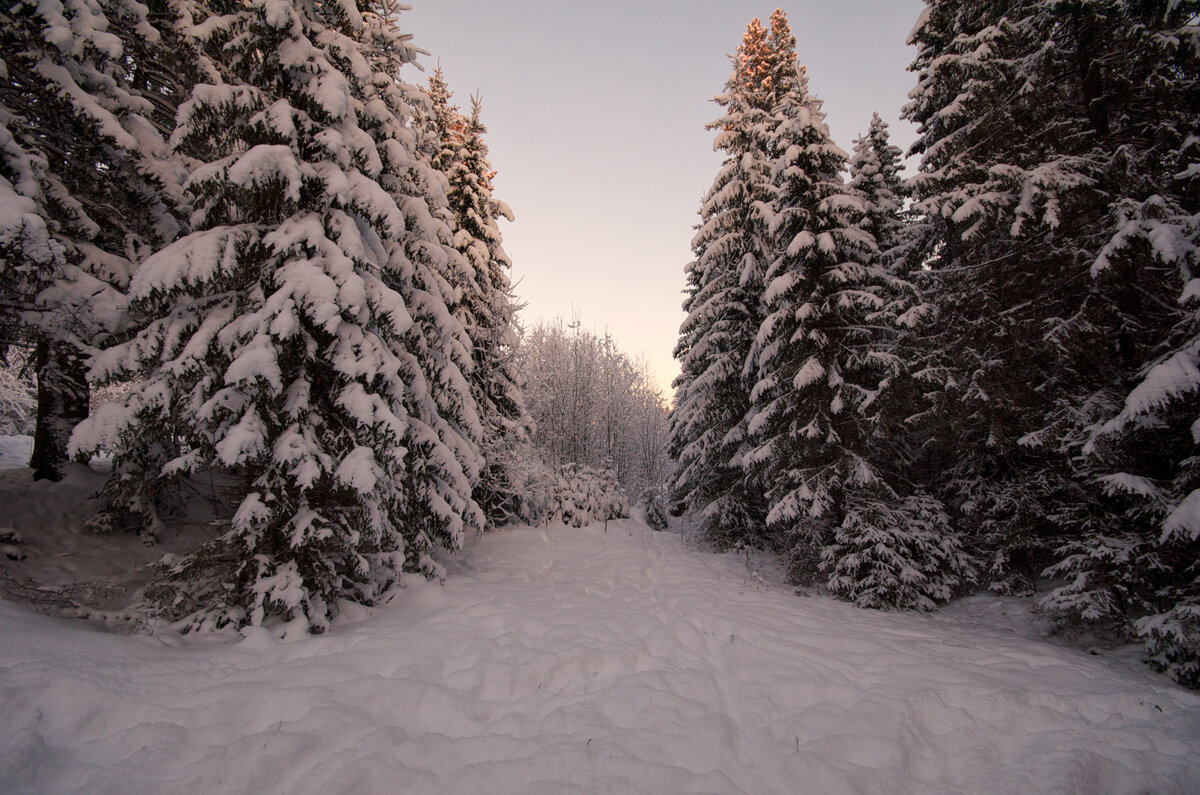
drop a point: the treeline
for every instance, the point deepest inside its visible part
(987, 374)
(592, 405)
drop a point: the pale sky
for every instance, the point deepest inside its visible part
(596, 114)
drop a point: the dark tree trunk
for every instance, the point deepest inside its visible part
(62, 403)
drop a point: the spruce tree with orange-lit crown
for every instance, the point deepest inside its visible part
(733, 248)
(486, 307)
(824, 361)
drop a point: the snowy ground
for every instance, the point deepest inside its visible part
(562, 660)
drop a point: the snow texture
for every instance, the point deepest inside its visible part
(589, 661)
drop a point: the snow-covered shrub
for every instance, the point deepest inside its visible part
(654, 503)
(583, 495)
(1173, 641)
(527, 485)
(572, 494)
(1122, 580)
(906, 557)
(1101, 572)
(18, 403)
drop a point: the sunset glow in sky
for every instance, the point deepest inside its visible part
(596, 114)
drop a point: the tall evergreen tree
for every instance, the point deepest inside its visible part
(443, 123)
(299, 337)
(824, 361)
(1132, 556)
(483, 301)
(87, 185)
(1058, 198)
(875, 179)
(432, 287)
(724, 286)
(1003, 181)
(807, 200)
(489, 313)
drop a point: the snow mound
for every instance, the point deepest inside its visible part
(15, 451)
(563, 660)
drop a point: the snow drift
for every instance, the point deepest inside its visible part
(578, 660)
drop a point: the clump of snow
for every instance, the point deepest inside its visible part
(579, 660)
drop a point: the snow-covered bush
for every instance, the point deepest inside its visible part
(906, 557)
(572, 494)
(583, 495)
(1124, 580)
(1173, 641)
(18, 403)
(525, 490)
(654, 503)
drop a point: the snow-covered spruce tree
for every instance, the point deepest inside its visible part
(287, 338)
(733, 248)
(432, 277)
(443, 124)
(975, 461)
(87, 185)
(875, 179)
(1132, 560)
(824, 361)
(894, 552)
(485, 304)
(1008, 194)
(889, 552)
(1059, 195)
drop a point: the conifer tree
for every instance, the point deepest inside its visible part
(724, 287)
(489, 313)
(87, 186)
(483, 302)
(299, 336)
(807, 187)
(1058, 199)
(443, 123)
(1004, 179)
(825, 360)
(433, 287)
(1131, 557)
(875, 179)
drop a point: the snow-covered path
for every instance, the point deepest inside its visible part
(563, 660)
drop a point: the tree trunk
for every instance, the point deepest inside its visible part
(62, 403)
